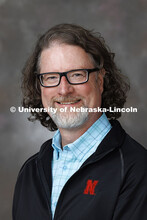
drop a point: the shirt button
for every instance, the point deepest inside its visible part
(65, 167)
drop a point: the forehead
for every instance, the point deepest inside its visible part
(63, 57)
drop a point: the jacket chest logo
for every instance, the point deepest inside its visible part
(90, 187)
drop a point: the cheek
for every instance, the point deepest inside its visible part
(44, 93)
(91, 89)
(92, 94)
(45, 96)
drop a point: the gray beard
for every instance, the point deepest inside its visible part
(69, 120)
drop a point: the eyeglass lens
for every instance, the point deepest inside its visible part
(75, 77)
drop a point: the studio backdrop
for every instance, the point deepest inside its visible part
(121, 23)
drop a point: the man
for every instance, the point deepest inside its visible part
(91, 169)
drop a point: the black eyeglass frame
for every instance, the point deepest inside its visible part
(65, 74)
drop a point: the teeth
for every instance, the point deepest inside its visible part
(68, 103)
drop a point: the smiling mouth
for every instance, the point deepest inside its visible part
(68, 102)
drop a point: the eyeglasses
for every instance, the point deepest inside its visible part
(74, 77)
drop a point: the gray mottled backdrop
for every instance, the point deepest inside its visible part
(123, 25)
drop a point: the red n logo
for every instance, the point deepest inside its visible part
(90, 187)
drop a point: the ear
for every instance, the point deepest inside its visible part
(101, 79)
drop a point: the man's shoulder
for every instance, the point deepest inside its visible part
(134, 153)
(30, 163)
(134, 145)
(126, 140)
(131, 150)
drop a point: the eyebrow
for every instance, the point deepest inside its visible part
(79, 68)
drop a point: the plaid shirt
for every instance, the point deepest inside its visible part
(67, 161)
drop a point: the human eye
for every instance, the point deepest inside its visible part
(78, 74)
(50, 77)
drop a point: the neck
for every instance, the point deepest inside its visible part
(70, 135)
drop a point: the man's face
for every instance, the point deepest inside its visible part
(62, 58)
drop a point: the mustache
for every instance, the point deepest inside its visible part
(66, 99)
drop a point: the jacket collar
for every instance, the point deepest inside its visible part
(113, 139)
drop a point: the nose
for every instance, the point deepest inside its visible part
(64, 87)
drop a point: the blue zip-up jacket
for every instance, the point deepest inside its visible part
(110, 185)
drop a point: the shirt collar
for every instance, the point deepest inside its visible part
(94, 135)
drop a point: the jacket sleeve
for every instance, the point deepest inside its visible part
(132, 199)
